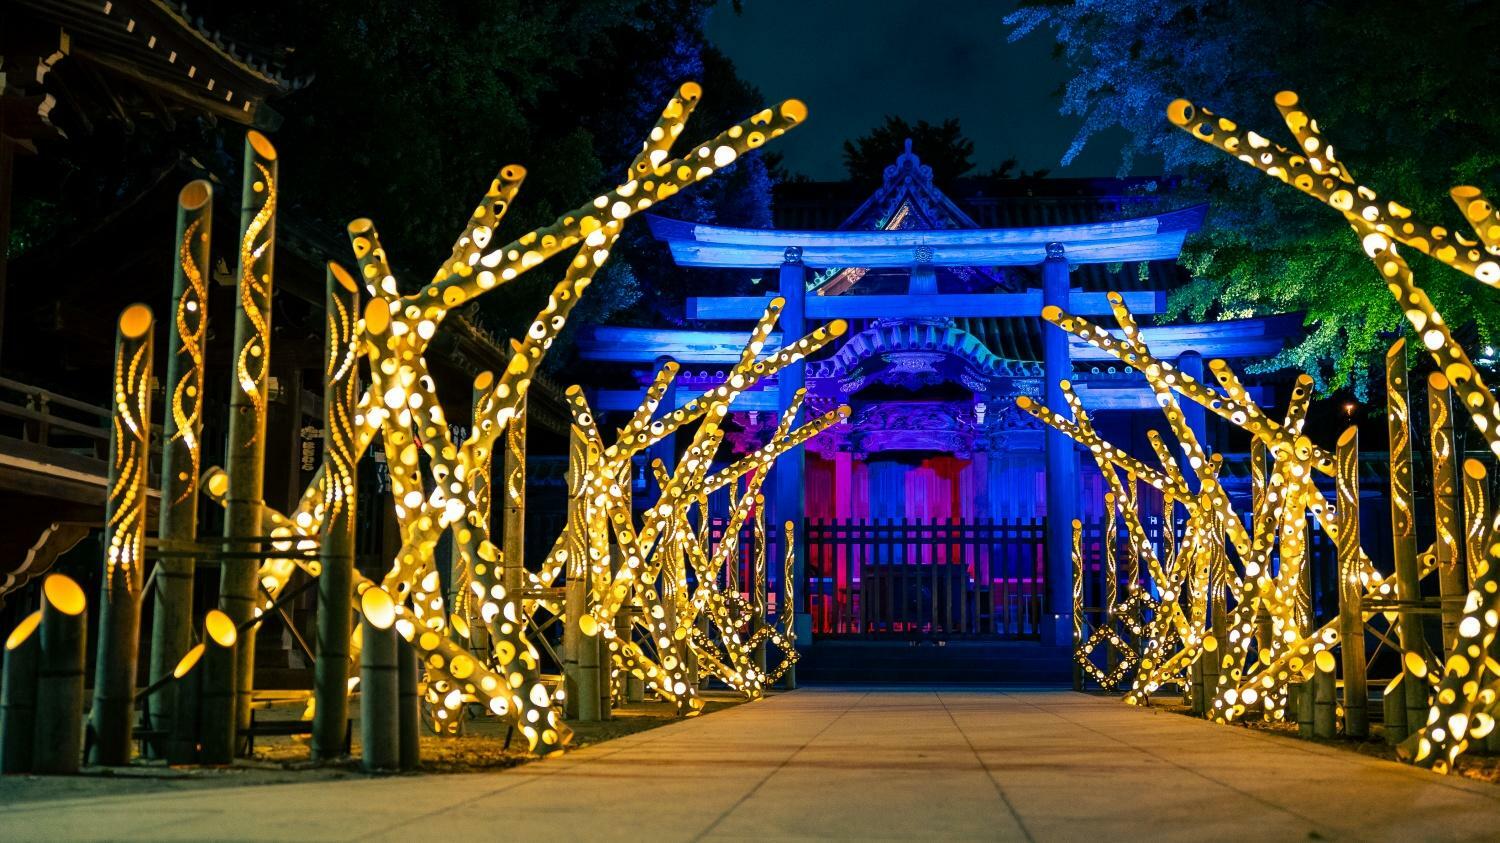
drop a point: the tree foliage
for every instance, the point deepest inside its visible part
(417, 103)
(1401, 89)
(943, 147)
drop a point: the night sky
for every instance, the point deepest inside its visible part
(854, 62)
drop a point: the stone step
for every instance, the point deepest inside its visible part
(960, 662)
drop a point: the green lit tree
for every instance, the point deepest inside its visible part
(1417, 69)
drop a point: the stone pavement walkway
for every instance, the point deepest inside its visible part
(848, 763)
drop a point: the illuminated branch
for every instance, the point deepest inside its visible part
(1462, 707)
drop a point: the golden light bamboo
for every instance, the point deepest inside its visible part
(182, 449)
(112, 714)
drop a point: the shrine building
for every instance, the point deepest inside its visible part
(940, 510)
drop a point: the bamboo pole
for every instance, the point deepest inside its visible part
(336, 548)
(1211, 669)
(182, 434)
(1195, 681)
(1301, 695)
(221, 664)
(580, 651)
(187, 695)
(1403, 530)
(788, 607)
(1450, 571)
(1078, 619)
(18, 695)
(59, 686)
(113, 712)
(245, 452)
(379, 717)
(409, 698)
(1351, 615)
(205, 670)
(484, 490)
(603, 668)
(632, 688)
(1324, 696)
(1393, 704)
(1479, 535)
(758, 579)
(513, 515)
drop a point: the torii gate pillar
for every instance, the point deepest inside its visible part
(787, 473)
(1062, 462)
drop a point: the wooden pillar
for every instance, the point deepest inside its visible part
(7, 179)
(113, 712)
(843, 485)
(1062, 463)
(1351, 613)
(336, 548)
(245, 453)
(789, 489)
(1190, 363)
(182, 435)
(1403, 527)
(1450, 572)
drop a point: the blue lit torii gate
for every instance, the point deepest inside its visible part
(794, 253)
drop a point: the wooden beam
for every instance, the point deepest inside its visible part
(1229, 340)
(1156, 237)
(1151, 247)
(647, 345)
(972, 305)
(625, 400)
(1103, 397)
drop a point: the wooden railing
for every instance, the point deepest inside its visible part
(38, 416)
(888, 578)
(53, 428)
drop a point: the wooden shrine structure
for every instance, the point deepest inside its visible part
(944, 336)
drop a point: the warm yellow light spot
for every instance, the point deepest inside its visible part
(378, 608)
(218, 627)
(63, 594)
(188, 661)
(23, 630)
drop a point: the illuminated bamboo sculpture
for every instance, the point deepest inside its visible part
(341, 355)
(206, 670)
(245, 452)
(400, 404)
(18, 695)
(1266, 641)
(112, 715)
(58, 743)
(379, 683)
(638, 601)
(1404, 534)
(182, 448)
(1462, 707)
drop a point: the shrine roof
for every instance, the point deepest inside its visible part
(1151, 238)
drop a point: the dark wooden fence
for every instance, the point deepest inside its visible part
(888, 578)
